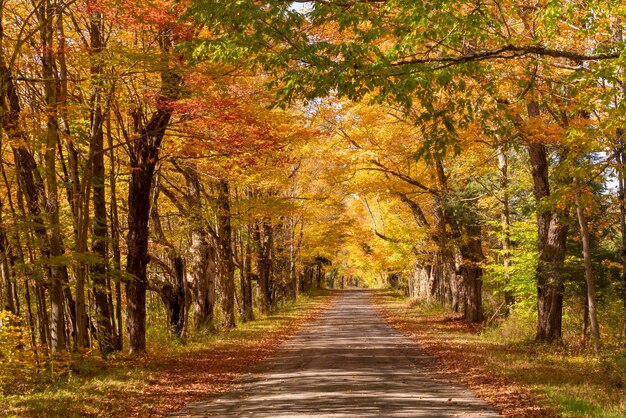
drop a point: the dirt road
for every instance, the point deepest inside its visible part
(349, 362)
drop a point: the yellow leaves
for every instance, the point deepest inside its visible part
(17, 360)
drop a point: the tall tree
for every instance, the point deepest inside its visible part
(144, 154)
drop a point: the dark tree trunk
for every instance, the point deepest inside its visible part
(144, 155)
(104, 330)
(42, 315)
(319, 276)
(104, 333)
(9, 252)
(621, 179)
(246, 279)
(472, 273)
(450, 282)
(6, 292)
(293, 254)
(31, 319)
(551, 242)
(176, 299)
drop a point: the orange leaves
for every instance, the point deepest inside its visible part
(538, 129)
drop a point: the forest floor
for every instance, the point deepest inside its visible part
(348, 362)
(163, 380)
(520, 378)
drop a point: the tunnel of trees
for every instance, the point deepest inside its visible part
(215, 159)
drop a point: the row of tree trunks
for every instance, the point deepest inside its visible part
(428, 280)
(216, 252)
(31, 200)
(443, 221)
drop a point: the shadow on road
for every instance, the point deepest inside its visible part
(349, 362)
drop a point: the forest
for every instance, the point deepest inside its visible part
(175, 170)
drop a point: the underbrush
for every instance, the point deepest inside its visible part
(519, 326)
(568, 375)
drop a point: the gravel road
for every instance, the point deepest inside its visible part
(349, 363)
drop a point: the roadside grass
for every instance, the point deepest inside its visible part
(170, 375)
(515, 374)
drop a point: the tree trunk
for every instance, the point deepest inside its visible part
(621, 182)
(551, 242)
(115, 239)
(31, 319)
(246, 279)
(591, 292)
(104, 330)
(450, 293)
(225, 254)
(144, 155)
(7, 263)
(264, 264)
(472, 272)
(178, 302)
(203, 264)
(505, 221)
(143, 158)
(43, 321)
(293, 254)
(6, 292)
(58, 272)
(104, 333)
(203, 273)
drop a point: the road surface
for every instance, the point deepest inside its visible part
(349, 362)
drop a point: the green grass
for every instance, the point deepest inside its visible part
(89, 386)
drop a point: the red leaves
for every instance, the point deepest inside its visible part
(143, 14)
(225, 121)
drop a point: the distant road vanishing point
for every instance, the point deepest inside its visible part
(347, 363)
